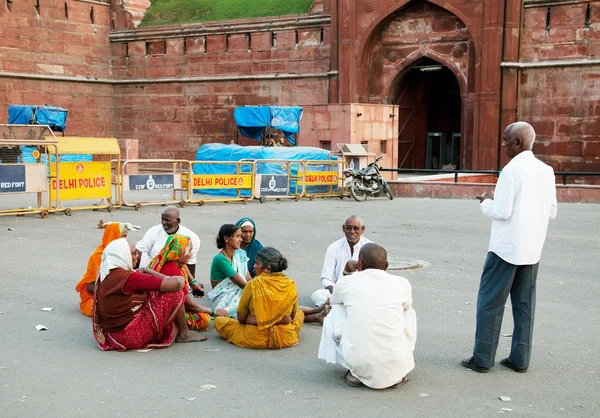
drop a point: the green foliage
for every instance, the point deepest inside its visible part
(169, 12)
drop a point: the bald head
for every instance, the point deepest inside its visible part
(372, 256)
(354, 218)
(518, 137)
(170, 220)
(171, 210)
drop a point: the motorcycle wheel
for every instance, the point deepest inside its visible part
(357, 194)
(386, 189)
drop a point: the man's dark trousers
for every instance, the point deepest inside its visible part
(498, 279)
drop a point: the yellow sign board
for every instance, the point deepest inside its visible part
(222, 181)
(320, 178)
(81, 180)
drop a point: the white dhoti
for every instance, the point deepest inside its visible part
(330, 349)
(319, 297)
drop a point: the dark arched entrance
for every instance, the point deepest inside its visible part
(428, 95)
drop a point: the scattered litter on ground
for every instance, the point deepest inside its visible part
(505, 398)
(47, 309)
(41, 327)
(207, 387)
(293, 242)
(212, 351)
(467, 303)
(288, 392)
(507, 335)
(188, 399)
(310, 397)
(423, 395)
(144, 351)
(11, 229)
(506, 410)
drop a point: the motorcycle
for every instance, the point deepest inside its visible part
(367, 182)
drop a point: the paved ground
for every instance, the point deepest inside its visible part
(62, 373)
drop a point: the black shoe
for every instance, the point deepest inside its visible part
(506, 363)
(470, 364)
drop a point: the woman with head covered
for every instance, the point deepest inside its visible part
(249, 242)
(85, 287)
(135, 310)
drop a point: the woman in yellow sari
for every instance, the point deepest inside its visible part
(85, 287)
(268, 314)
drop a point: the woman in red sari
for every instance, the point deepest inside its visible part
(85, 287)
(137, 310)
(172, 261)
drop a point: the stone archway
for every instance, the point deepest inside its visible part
(418, 33)
(429, 116)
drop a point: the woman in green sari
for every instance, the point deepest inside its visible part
(229, 270)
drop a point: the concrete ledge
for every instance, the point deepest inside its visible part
(439, 190)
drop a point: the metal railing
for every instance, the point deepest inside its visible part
(563, 174)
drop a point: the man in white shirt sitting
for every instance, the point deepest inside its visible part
(520, 207)
(337, 257)
(155, 238)
(372, 327)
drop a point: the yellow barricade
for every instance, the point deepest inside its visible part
(147, 176)
(278, 179)
(237, 177)
(85, 180)
(22, 178)
(323, 178)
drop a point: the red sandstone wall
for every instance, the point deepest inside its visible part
(43, 42)
(172, 119)
(562, 104)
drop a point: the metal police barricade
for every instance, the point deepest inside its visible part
(85, 181)
(220, 181)
(33, 146)
(323, 178)
(146, 178)
(278, 179)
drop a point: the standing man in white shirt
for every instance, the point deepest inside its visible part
(155, 238)
(520, 207)
(338, 255)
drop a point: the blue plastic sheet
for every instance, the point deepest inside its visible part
(27, 158)
(21, 114)
(55, 117)
(253, 120)
(222, 152)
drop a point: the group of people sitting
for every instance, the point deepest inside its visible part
(142, 297)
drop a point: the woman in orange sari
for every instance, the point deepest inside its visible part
(268, 314)
(172, 261)
(85, 287)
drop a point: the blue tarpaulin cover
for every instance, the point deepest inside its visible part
(222, 152)
(55, 117)
(21, 114)
(253, 120)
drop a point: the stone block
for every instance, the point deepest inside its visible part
(195, 45)
(215, 44)
(238, 42)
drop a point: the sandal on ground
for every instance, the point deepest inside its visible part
(351, 382)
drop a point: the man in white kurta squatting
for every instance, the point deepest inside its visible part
(372, 327)
(337, 257)
(155, 238)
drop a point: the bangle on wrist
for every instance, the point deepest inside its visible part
(193, 282)
(212, 312)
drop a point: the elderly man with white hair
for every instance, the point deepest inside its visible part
(520, 207)
(341, 257)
